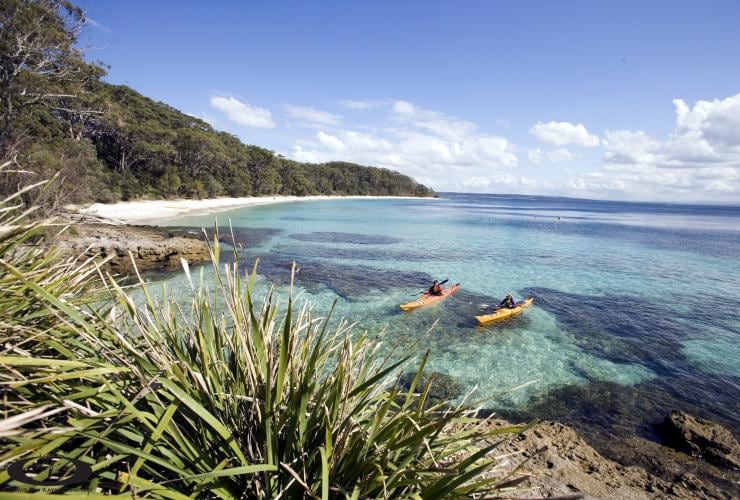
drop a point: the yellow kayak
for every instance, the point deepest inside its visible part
(505, 312)
(427, 299)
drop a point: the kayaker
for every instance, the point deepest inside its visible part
(508, 302)
(435, 289)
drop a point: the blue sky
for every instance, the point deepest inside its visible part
(607, 99)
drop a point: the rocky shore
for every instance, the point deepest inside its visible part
(552, 461)
(696, 459)
(152, 248)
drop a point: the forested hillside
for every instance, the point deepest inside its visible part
(109, 143)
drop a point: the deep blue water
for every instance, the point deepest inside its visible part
(637, 306)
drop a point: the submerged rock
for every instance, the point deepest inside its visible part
(443, 387)
(702, 438)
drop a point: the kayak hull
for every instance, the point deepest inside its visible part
(504, 312)
(427, 299)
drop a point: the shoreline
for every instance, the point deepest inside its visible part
(151, 211)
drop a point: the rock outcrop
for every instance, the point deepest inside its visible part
(702, 439)
(552, 460)
(673, 466)
(152, 248)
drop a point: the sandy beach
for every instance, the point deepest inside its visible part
(151, 211)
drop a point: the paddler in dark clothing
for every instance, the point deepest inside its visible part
(508, 302)
(435, 289)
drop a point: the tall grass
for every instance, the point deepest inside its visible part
(216, 396)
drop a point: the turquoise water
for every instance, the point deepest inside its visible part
(636, 305)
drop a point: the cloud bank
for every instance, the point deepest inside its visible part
(423, 143)
(700, 159)
(311, 117)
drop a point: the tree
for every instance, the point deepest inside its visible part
(169, 183)
(40, 67)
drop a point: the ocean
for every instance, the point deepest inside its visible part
(636, 312)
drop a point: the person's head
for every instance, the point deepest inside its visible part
(435, 282)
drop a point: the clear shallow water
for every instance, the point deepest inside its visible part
(637, 306)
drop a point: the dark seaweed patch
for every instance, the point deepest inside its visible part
(337, 237)
(349, 282)
(355, 282)
(304, 252)
(622, 329)
(297, 218)
(242, 236)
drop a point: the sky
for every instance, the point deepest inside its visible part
(631, 100)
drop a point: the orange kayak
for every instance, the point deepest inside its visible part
(504, 312)
(427, 299)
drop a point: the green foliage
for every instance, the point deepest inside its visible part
(46, 101)
(169, 183)
(212, 397)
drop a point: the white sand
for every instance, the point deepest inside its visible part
(150, 211)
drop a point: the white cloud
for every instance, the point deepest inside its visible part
(300, 154)
(243, 113)
(311, 116)
(717, 121)
(563, 133)
(361, 105)
(404, 107)
(435, 122)
(700, 160)
(537, 156)
(476, 182)
(500, 182)
(560, 154)
(330, 141)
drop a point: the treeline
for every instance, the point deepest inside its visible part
(150, 149)
(108, 142)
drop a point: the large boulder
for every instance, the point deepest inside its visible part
(703, 439)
